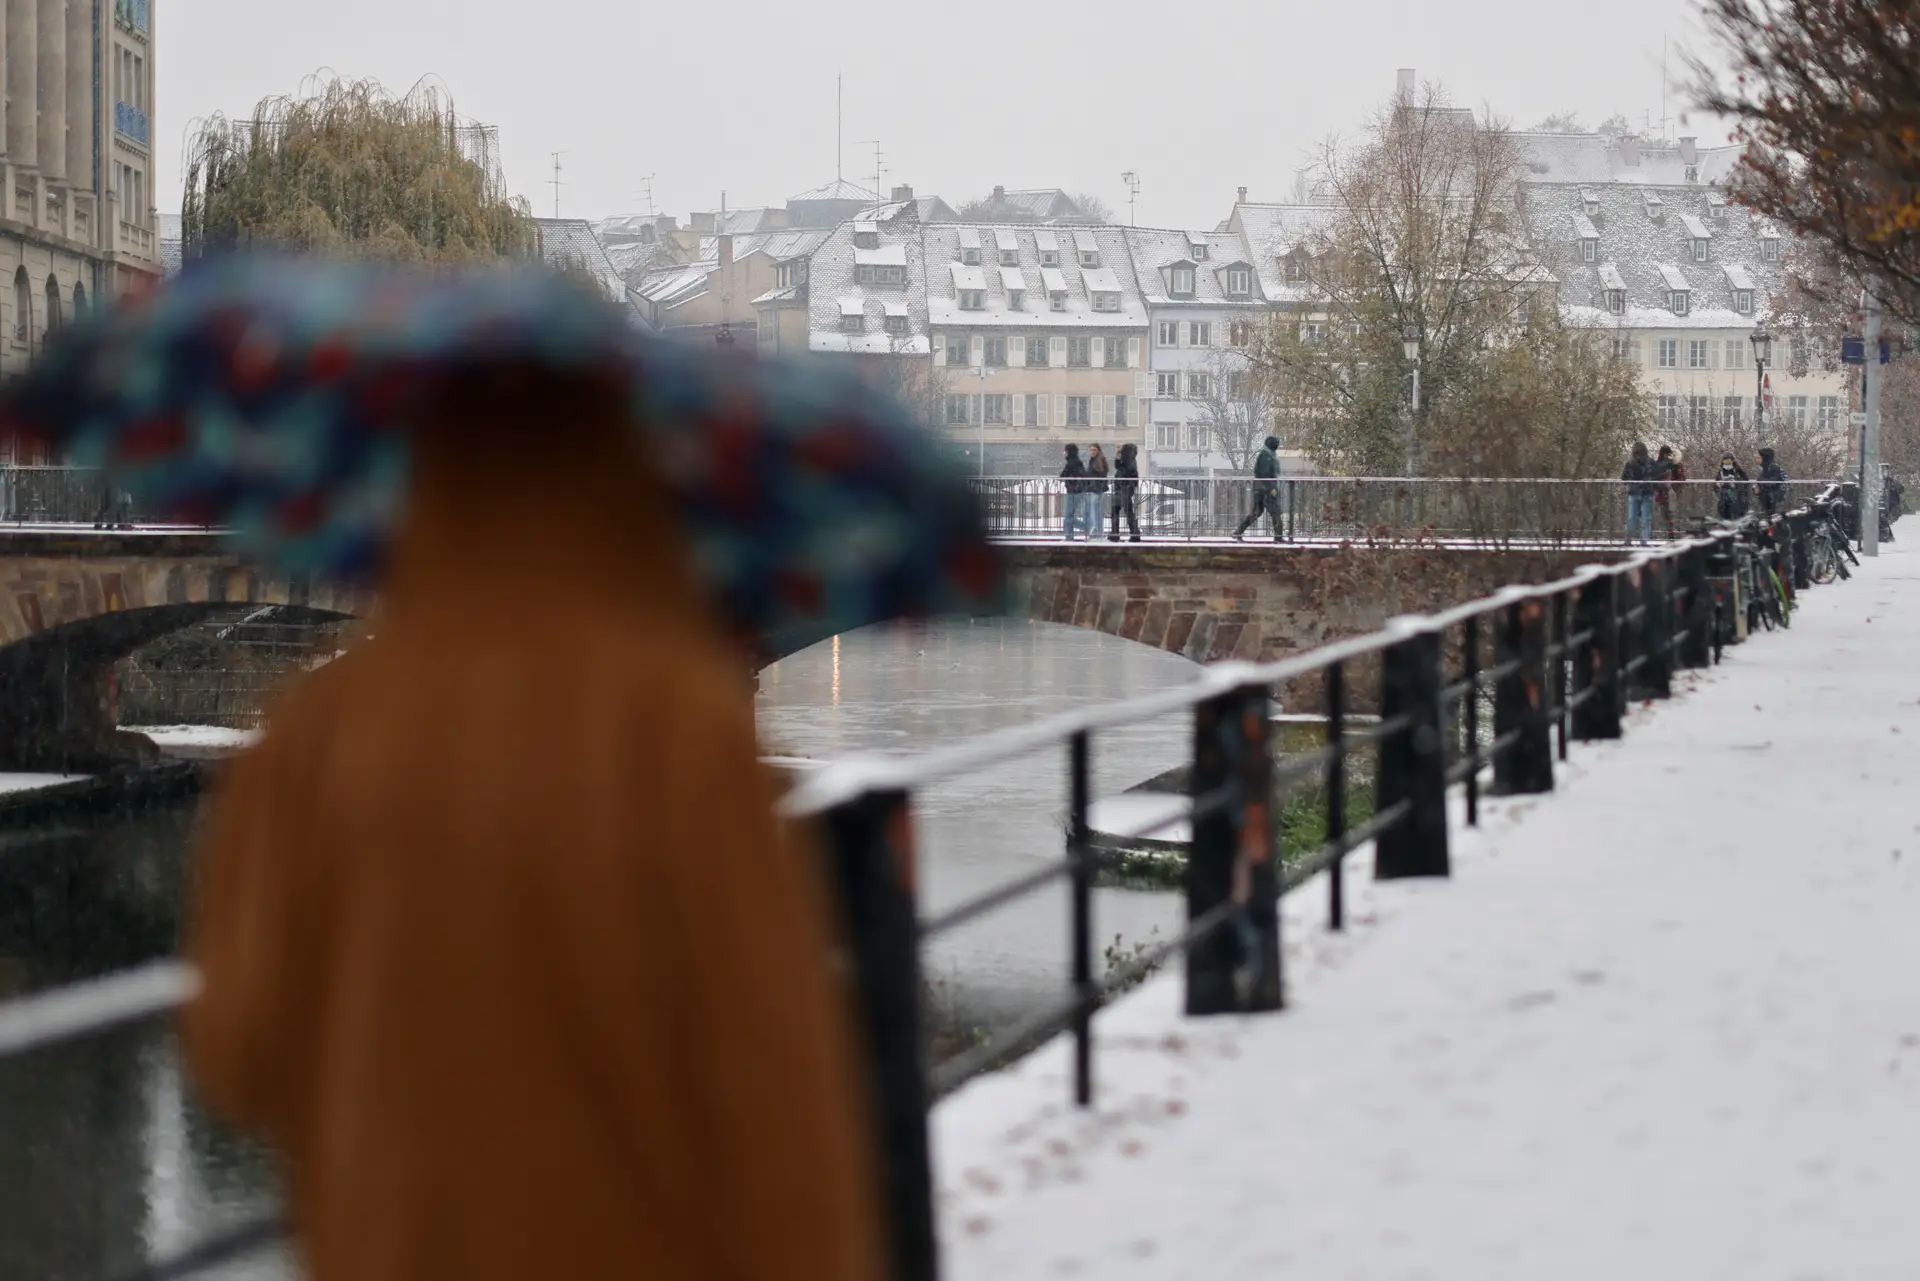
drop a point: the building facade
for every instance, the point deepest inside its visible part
(77, 223)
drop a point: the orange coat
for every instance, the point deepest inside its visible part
(501, 947)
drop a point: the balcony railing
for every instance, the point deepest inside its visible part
(131, 14)
(130, 122)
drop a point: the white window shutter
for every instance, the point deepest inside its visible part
(1016, 352)
(1113, 418)
(1060, 403)
(1097, 355)
(939, 349)
(1142, 383)
(1040, 410)
(1133, 353)
(1058, 348)
(978, 351)
(1019, 414)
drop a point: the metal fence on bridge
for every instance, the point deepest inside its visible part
(1551, 664)
(1372, 509)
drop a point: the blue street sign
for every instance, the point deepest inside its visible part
(1853, 351)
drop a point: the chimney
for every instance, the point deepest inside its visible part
(726, 253)
(902, 194)
(1689, 153)
(700, 221)
(1242, 197)
(999, 193)
(1630, 150)
(1404, 83)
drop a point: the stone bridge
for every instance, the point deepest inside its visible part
(73, 604)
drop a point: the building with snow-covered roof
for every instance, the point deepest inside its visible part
(720, 291)
(570, 244)
(1680, 279)
(829, 204)
(1282, 240)
(1040, 204)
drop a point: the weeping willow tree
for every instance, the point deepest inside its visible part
(352, 171)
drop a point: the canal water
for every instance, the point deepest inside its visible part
(106, 1162)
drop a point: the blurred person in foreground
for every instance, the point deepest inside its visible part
(503, 949)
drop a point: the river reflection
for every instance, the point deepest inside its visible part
(908, 688)
(105, 1161)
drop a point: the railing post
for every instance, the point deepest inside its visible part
(1656, 634)
(1470, 714)
(1562, 718)
(1413, 762)
(1336, 783)
(1595, 662)
(1799, 523)
(1696, 649)
(1520, 702)
(869, 842)
(1231, 860)
(1080, 852)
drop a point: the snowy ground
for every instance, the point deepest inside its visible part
(1664, 1024)
(32, 782)
(168, 736)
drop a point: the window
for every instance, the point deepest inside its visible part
(1589, 249)
(1732, 409)
(1106, 302)
(970, 255)
(894, 275)
(1797, 354)
(1829, 410)
(853, 322)
(1669, 357)
(1182, 285)
(1168, 333)
(1296, 268)
(1119, 412)
(896, 324)
(1617, 301)
(1036, 353)
(973, 300)
(1117, 353)
(1196, 436)
(863, 274)
(1716, 208)
(1624, 350)
(1796, 411)
(1049, 257)
(1200, 333)
(1699, 412)
(1016, 300)
(1669, 411)
(1166, 435)
(1699, 250)
(1009, 257)
(959, 410)
(1239, 281)
(1199, 386)
(1077, 411)
(1079, 352)
(1677, 301)
(1198, 248)
(1240, 333)
(1169, 386)
(1697, 354)
(866, 239)
(1089, 258)
(1743, 301)
(996, 353)
(995, 410)
(1693, 173)
(1057, 300)
(783, 276)
(1037, 411)
(1770, 248)
(957, 350)
(1238, 384)
(1312, 332)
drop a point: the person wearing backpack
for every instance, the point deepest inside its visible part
(1266, 489)
(1126, 480)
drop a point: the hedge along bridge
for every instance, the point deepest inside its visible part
(1557, 662)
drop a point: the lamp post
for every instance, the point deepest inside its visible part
(1410, 348)
(1762, 348)
(983, 413)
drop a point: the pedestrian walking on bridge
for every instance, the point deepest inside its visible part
(1266, 490)
(1641, 481)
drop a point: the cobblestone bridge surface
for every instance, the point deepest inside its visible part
(1664, 1023)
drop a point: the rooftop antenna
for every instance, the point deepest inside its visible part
(555, 181)
(879, 167)
(1132, 180)
(839, 121)
(1663, 89)
(646, 193)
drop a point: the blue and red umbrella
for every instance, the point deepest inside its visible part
(274, 396)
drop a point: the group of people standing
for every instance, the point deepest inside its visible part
(1650, 482)
(1088, 483)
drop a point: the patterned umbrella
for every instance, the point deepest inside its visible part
(273, 396)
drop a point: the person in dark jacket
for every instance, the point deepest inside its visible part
(1772, 489)
(1641, 483)
(1074, 473)
(1731, 489)
(1266, 489)
(1668, 472)
(1126, 479)
(1098, 470)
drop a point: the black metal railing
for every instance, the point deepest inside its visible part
(1553, 664)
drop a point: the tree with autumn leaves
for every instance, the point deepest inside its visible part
(1826, 95)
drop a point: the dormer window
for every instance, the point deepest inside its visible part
(1296, 268)
(973, 300)
(1106, 302)
(1693, 173)
(1180, 282)
(1016, 299)
(1009, 257)
(1057, 300)
(1049, 257)
(1089, 257)
(866, 238)
(1655, 205)
(970, 246)
(1088, 249)
(1617, 301)
(1590, 204)
(1699, 249)
(1199, 250)
(1589, 249)
(896, 325)
(783, 276)
(1677, 301)
(1716, 208)
(1770, 248)
(971, 256)
(1009, 246)
(1239, 282)
(1743, 301)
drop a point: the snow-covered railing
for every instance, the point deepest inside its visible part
(1317, 509)
(1546, 664)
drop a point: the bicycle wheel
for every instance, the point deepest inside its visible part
(1824, 562)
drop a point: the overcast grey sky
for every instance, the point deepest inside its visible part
(738, 95)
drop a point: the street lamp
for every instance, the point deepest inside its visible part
(984, 371)
(1410, 347)
(1762, 348)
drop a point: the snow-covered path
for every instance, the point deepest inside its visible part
(1664, 1025)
